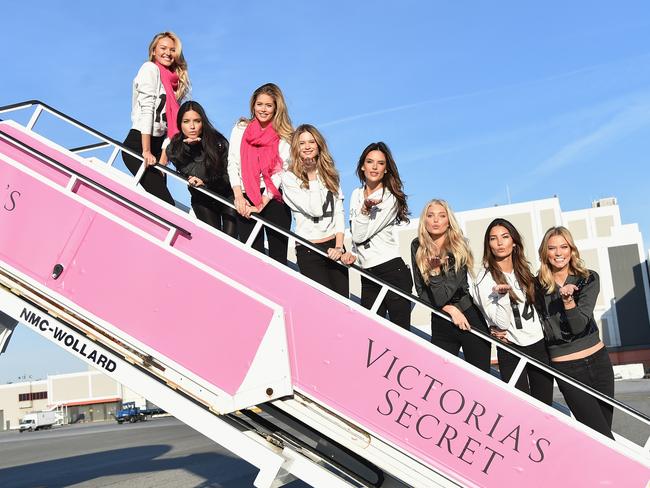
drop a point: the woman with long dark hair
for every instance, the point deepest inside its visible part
(259, 151)
(157, 88)
(505, 289)
(441, 260)
(311, 188)
(375, 209)
(200, 153)
(567, 297)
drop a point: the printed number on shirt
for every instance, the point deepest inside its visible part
(161, 109)
(527, 314)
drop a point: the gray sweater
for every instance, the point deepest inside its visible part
(573, 330)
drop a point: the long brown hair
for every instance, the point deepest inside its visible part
(179, 66)
(281, 121)
(576, 264)
(455, 244)
(324, 163)
(520, 264)
(391, 179)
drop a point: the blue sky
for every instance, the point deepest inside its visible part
(549, 98)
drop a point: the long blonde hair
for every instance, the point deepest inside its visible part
(281, 121)
(324, 163)
(576, 264)
(179, 65)
(455, 244)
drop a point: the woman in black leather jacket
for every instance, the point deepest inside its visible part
(567, 293)
(200, 153)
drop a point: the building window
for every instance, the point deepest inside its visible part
(37, 395)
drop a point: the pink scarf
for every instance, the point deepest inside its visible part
(260, 155)
(170, 81)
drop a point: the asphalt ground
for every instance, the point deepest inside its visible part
(161, 453)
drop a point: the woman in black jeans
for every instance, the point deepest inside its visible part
(375, 209)
(200, 153)
(567, 297)
(311, 187)
(441, 258)
(160, 83)
(259, 151)
(505, 291)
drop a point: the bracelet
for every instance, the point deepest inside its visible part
(341, 249)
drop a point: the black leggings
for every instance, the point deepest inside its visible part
(277, 213)
(396, 273)
(322, 269)
(533, 381)
(152, 180)
(595, 371)
(447, 336)
(214, 213)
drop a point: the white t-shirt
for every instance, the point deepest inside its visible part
(499, 312)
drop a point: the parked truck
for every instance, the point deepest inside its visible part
(37, 421)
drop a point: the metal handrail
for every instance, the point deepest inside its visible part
(261, 221)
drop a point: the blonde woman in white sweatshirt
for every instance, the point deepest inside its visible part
(311, 188)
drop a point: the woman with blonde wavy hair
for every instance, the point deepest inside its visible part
(441, 260)
(259, 152)
(567, 293)
(312, 189)
(161, 83)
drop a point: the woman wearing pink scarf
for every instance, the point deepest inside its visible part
(160, 83)
(259, 151)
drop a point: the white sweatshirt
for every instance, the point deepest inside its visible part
(148, 101)
(499, 311)
(373, 239)
(234, 158)
(314, 218)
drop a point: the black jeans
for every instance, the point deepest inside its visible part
(447, 336)
(152, 180)
(533, 380)
(595, 371)
(323, 270)
(214, 213)
(277, 213)
(396, 273)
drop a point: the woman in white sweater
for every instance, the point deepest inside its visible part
(311, 188)
(259, 151)
(157, 88)
(375, 209)
(505, 289)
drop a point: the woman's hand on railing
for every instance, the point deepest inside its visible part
(335, 253)
(194, 181)
(499, 334)
(348, 258)
(457, 317)
(149, 159)
(240, 205)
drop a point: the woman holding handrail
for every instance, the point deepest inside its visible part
(505, 290)
(567, 296)
(441, 260)
(259, 151)
(311, 188)
(160, 83)
(375, 209)
(200, 153)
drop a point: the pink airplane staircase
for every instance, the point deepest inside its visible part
(205, 327)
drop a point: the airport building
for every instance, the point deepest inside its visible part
(89, 396)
